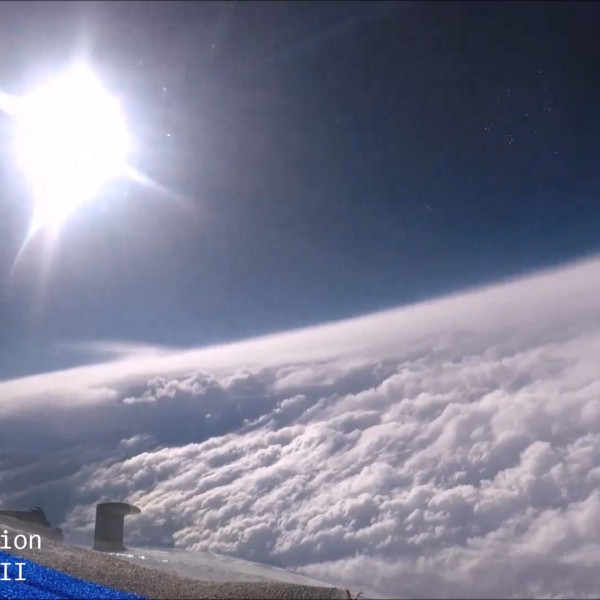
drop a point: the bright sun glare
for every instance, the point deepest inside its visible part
(71, 140)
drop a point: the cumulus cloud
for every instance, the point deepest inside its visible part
(447, 449)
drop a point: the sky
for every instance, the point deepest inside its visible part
(319, 160)
(353, 330)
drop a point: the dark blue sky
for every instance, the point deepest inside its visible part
(337, 158)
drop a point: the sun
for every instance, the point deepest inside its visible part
(71, 139)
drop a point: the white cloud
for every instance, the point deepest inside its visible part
(445, 449)
(112, 349)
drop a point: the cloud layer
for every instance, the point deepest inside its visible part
(445, 449)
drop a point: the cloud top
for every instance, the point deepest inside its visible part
(450, 448)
